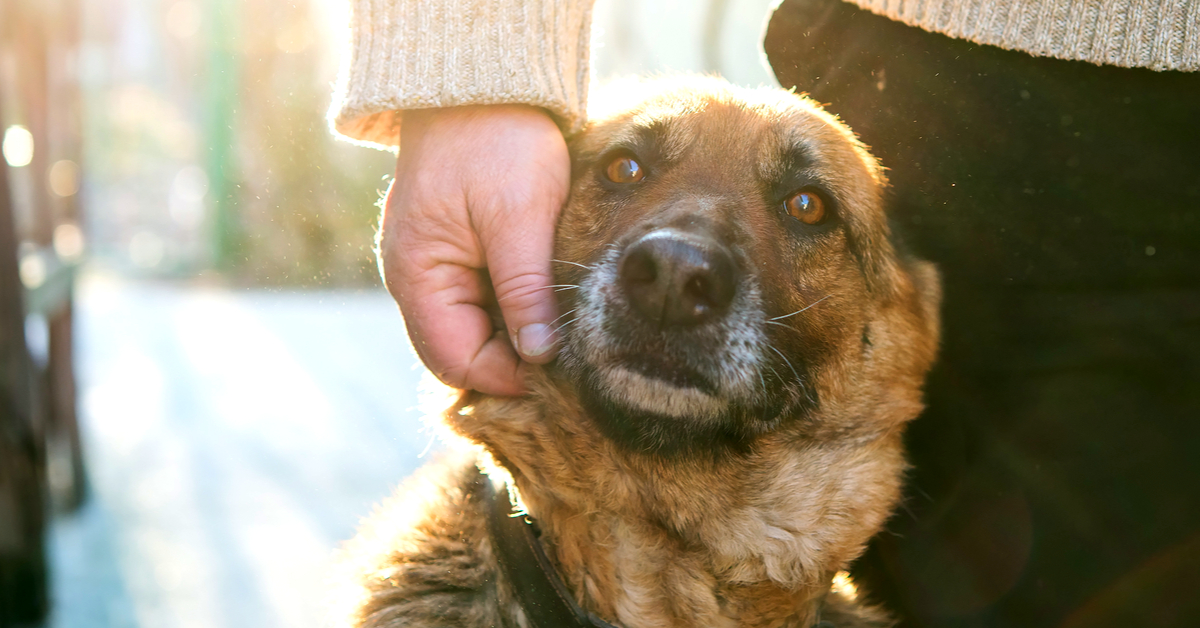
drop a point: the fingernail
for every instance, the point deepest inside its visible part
(535, 340)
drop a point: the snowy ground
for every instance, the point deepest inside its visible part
(233, 438)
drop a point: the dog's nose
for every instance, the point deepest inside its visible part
(672, 280)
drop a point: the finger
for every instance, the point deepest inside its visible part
(518, 257)
(454, 335)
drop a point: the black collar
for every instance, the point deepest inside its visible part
(543, 596)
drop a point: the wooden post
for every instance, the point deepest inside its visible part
(23, 582)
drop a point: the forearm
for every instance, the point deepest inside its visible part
(418, 54)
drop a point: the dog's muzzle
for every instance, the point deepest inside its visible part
(669, 325)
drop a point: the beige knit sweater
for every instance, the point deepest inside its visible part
(412, 54)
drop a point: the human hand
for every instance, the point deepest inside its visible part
(476, 187)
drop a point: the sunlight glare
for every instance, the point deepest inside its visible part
(845, 586)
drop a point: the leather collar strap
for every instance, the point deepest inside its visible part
(543, 596)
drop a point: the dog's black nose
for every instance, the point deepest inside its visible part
(672, 280)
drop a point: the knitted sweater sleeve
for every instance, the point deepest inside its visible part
(415, 54)
(1156, 34)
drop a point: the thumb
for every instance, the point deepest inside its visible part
(518, 259)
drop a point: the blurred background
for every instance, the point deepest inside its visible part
(212, 387)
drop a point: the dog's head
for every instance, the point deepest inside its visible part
(735, 273)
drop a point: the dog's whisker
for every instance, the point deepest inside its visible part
(564, 315)
(556, 287)
(808, 393)
(564, 325)
(788, 327)
(802, 309)
(785, 361)
(563, 261)
(566, 287)
(775, 373)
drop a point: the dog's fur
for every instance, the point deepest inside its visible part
(730, 490)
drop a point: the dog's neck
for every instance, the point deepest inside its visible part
(750, 540)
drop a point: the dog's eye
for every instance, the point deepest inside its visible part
(625, 170)
(806, 206)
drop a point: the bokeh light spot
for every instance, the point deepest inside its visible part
(68, 241)
(295, 37)
(33, 271)
(183, 19)
(64, 178)
(18, 146)
(186, 201)
(146, 249)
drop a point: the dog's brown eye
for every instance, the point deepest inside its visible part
(625, 170)
(806, 207)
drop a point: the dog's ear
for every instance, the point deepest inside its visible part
(914, 313)
(927, 283)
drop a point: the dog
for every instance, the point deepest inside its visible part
(720, 436)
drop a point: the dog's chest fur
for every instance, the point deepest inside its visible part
(644, 543)
(700, 542)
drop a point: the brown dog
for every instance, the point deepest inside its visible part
(722, 431)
